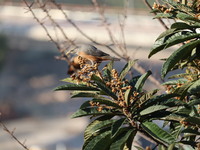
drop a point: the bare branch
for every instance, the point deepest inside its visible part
(43, 7)
(159, 19)
(60, 49)
(105, 23)
(11, 133)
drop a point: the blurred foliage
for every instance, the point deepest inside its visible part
(120, 108)
(3, 49)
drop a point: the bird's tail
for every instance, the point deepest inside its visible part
(110, 58)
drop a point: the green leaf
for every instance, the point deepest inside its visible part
(182, 91)
(177, 38)
(157, 133)
(158, 100)
(171, 147)
(98, 124)
(120, 141)
(182, 25)
(126, 69)
(127, 96)
(84, 94)
(182, 75)
(190, 131)
(139, 84)
(70, 80)
(106, 102)
(148, 96)
(167, 32)
(110, 65)
(99, 142)
(91, 111)
(179, 54)
(103, 86)
(195, 87)
(163, 15)
(173, 117)
(153, 109)
(193, 120)
(175, 82)
(116, 126)
(187, 18)
(194, 102)
(78, 87)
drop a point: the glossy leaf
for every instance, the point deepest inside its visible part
(99, 142)
(98, 124)
(70, 80)
(78, 87)
(120, 141)
(84, 94)
(103, 86)
(139, 84)
(157, 133)
(92, 111)
(173, 40)
(195, 87)
(126, 69)
(179, 54)
(106, 102)
(116, 126)
(152, 109)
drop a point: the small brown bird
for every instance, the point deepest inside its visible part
(88, 52)
(74, 65)
(93, 54)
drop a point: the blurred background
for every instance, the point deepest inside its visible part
(29, 71)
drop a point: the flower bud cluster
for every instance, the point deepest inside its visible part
(86, 72)
(162, 8)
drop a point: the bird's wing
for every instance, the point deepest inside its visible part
(96, 52)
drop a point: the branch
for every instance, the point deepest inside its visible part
(159, 19)
(11, 133)
(81, 31)
(61, 50)
(105, 23)
(43, 7)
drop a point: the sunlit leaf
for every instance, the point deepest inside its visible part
(116, 126)
(106, 102)
(84, 94)
(103, 86)
(99, 142)
(126, 69)
(78, 87)
(152, 109)
(172, 40)
(92, 111)
(157, 133)
(120, 141)
(177, 56)
(139, 84)
(195, 87)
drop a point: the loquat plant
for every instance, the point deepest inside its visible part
(120, 108)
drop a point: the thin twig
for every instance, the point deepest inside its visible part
(81, 31)
(159, 19)
(106, 25)
(11, 133)
(122, 25)
(43, 7)
(61, 50)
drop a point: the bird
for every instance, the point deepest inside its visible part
(74, 65)
(93, 54)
